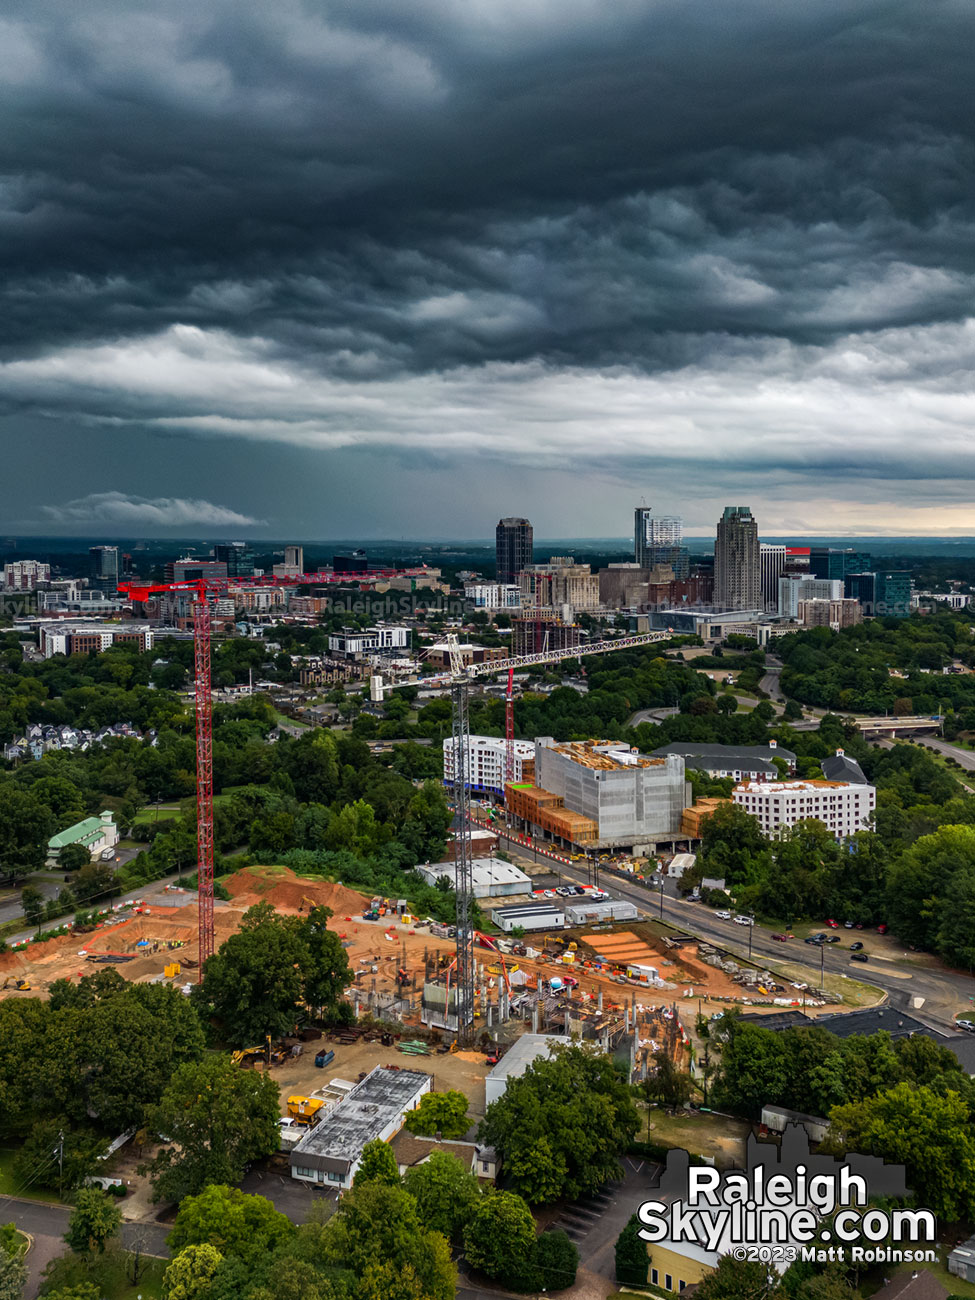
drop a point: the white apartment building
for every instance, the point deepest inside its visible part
(485, 762)
(374, 640)
(493, 595)
(794, 590)
(24, 575)
(842, 806)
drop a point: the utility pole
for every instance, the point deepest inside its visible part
(60, 1163)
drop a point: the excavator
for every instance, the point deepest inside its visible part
(14, 981)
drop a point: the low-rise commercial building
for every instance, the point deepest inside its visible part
(844, 807)
(330, 1152)
(516, 1060)
(491, 877)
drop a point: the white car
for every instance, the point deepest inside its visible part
(967, 1025)
(723, 916)
(744, 920)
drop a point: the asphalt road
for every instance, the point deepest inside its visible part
(944, 992)
(47, 1224)
(965, 757)
(770, 682)
(144, 891)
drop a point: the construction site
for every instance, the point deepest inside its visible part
(625, 987)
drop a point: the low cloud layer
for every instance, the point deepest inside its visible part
(725, 252)
(115, 509)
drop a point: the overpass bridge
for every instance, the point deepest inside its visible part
(888, 726)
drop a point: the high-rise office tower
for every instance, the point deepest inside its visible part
(514, 549)
(237, 556)
(104, 567)
(657, 540)
(737, 561)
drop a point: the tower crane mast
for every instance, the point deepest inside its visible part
(198, 590)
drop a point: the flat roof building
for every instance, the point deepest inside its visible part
(529, 916)
(491, 877)
(330, 1152)
(516, 1060)
(844, 807)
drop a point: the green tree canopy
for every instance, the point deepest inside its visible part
(94, 1221)
(378, 1165)
(439, 1112)
(217, 1118)
(632, 1259)
(561, 1127)
(232, 1221)
(499, 1240)
(930, 1135)
(189, 1275)
(445, 1192)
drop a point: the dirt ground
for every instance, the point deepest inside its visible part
(377, 950)
(464, 1071)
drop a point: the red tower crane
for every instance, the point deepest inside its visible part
(204, 743)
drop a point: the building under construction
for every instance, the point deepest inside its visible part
(596, 794)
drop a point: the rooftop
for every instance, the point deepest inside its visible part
(525, 1050)
(840, 768)
(604, 755)
(488, 871)
(360, 1117)
(412, 1150)
(812, 784)
(90, 828)
(919, 1285)
(759, 753)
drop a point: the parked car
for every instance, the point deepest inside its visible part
(832, 938)
(833, 925)
(817, 939)
(848, 925)
(723, 916)
(882, 928)
(859, 956)
(855, 947)
(967, 1025)
(744, 920)
(780, 937)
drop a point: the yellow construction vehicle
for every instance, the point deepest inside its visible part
(172, 970)
(21, 985)
(304, 1110)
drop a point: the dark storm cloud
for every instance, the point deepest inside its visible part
(738, 231)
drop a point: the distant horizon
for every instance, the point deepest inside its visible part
(624, 543)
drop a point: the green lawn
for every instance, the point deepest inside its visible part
(11, 1186)
(111, 1274)
(150, 813)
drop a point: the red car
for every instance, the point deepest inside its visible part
(881, 929)
(781, 937)
(833, 925)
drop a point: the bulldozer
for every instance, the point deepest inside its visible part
(13, 981)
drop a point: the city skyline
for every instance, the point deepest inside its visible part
(328, 267)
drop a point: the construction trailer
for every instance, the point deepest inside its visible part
(613, 909)
(529, 916)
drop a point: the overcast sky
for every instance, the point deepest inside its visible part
(397, 267)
